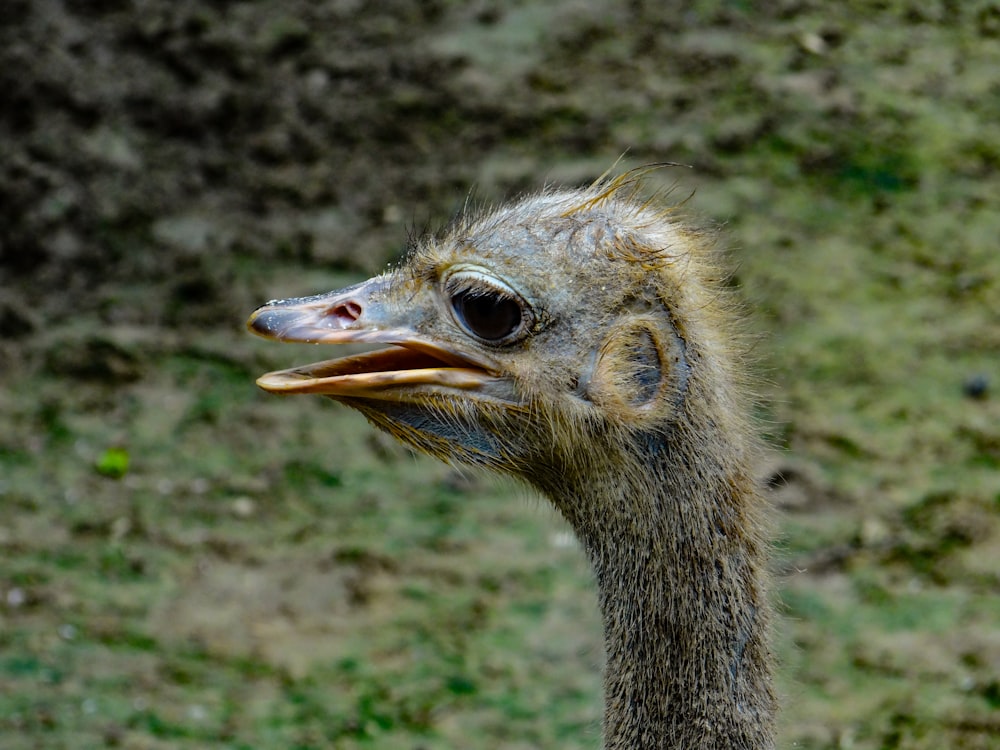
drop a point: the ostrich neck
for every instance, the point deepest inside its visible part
(677, 555)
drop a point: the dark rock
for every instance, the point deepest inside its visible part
(976, 387)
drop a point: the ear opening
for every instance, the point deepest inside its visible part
(640, 368)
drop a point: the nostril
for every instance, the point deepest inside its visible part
(347, 312)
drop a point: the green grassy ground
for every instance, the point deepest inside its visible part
(186, 562)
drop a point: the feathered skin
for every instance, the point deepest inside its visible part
(583, 341)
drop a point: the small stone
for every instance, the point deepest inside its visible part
(813, 43)
(67, 632)
(120, 528)
(976, 387)
(244, 507)
(873, 532)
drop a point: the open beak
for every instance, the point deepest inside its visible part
(358, 315)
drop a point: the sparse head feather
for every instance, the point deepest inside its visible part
(600, 253)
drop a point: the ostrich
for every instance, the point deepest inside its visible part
(582, 341)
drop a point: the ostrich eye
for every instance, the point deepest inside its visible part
(488, 315)
(486, 307)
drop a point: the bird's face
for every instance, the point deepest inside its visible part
(504, 338)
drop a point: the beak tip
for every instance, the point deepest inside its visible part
(272, 382)
(252, 322)
(264, 321)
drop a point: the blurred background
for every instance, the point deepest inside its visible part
(186, 562)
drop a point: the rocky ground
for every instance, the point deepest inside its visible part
(185, 562)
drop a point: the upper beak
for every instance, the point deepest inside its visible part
(360, 314)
